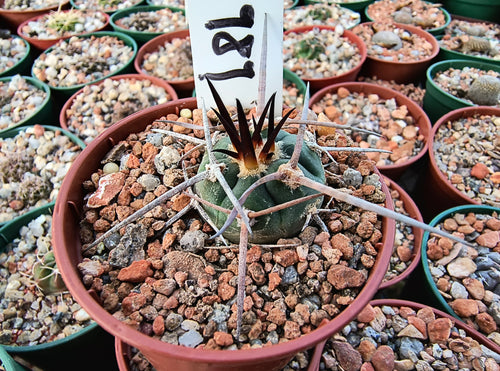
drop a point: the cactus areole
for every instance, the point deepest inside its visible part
(248, 156)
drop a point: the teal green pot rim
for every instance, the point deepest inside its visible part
(8, 232)
(295, 3)
(41, 113)
(432, 89)
(447, 54)
(74, 5)
(294, 78)
(8, 362)
(12, 132)
(433, 31)
(478, 209)
(129, 41)
(22, 64)
(139, 36)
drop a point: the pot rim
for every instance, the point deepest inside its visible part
(460, 63)
(424, 34)
(36, 40)
(353, 38)
(129, 41)
(64, 213)
(63, 120)
(454, 115)
(413, 211)
(414, 109)
(151, 46)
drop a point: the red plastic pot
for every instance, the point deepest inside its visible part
(183, 87)
(43, 44)
(400, 72)
(164, 356)
(393, 171)
(470, 332)
(351, 75)
(63, 118)
(412, 209)
(437, 184)
(14, 18)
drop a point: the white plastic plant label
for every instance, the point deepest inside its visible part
(227, 43)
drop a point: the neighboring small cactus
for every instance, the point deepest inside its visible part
(64, 21)
(485, 90)
(258, 154)
(387, 39)
(320, 13)
(310, 48)
(47, 276)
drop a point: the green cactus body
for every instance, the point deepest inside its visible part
(310, 48)
(270, 227)
(47, 277)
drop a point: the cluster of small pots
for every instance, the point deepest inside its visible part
(411, 84)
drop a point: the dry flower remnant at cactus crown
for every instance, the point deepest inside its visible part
(150, 257)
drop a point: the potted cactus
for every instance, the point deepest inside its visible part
(264, 294)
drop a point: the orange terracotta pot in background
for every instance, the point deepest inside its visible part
(13, 18)
(351, 75)
(396, 170)
(43, 44)
(185, 87)
(400, 72)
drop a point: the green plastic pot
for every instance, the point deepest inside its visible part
(63, 353)
(8, 363)
(436, 295)
(438, 102)
(23, 65)
(140, 37)
(40, 115)
(65, 92)
(353, 5)
(487, 10)
(432, 31)
(447, 54)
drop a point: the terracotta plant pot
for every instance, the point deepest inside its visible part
(406, 309)
(63, 116)
(441, 292)
(165, 356)
(182, 87)
(43, 44)
(14, 18)
(125, 354)
(438, 186)
(389, 17)
(395, 170)
(412, 210)
(438, 102)
(402, 72)
(319, 83)
(141, 37)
